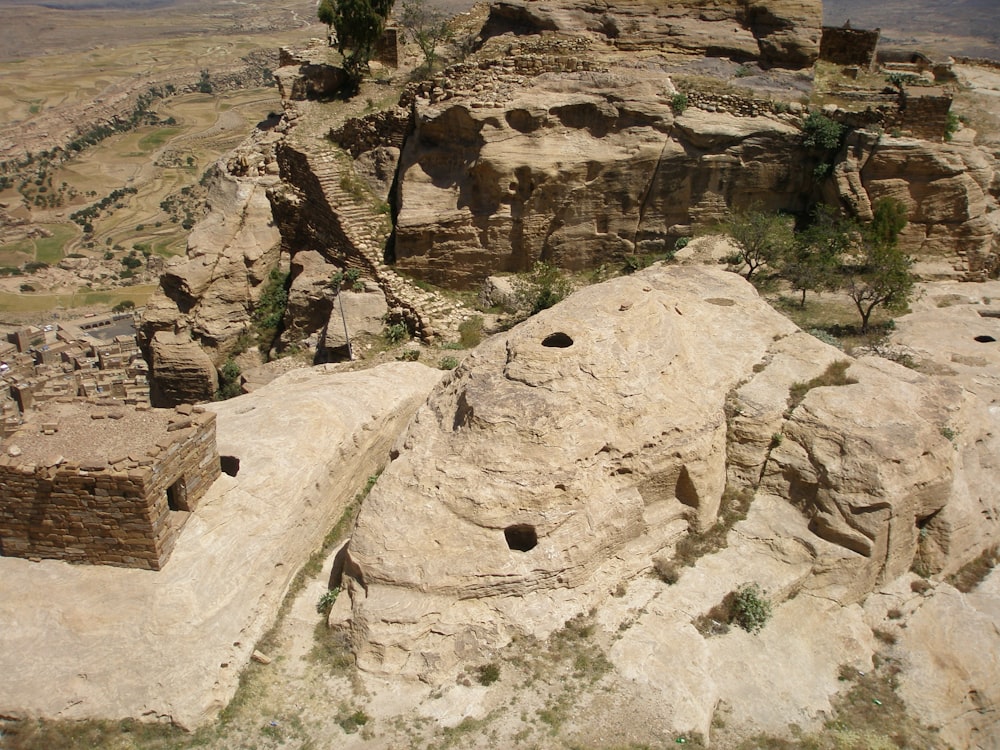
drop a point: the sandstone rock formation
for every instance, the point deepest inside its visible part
(564, 454)
(577, 170)
(94, 642)
(779, 32)
(207, 298)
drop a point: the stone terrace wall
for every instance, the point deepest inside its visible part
(925, 115)
(849, 46)
(114, 512)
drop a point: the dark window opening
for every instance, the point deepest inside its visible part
(177, 496)
(521, 537)
(558, 340)
(985, 339)
(230, 465)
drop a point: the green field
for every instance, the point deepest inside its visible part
(48, 250)
(33, 303)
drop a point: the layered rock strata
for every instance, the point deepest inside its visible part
(561, 456)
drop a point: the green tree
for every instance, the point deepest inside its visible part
(326, 13)
(359, 25)
(761, 238)
(427, 26)
(881, 274)
(821, 132)
(813, 262)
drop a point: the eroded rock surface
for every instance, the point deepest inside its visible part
(562, 455)
(206, 299)
(779, 32)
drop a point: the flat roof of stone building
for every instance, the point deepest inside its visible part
(86, 431)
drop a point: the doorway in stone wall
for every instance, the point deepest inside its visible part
(177, 496)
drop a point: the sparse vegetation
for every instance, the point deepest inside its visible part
(470, 332)
(544, 287)
(269, 312)
(732, 509)
(751, 609)
(821, 132)
(835, 374)
(974, 572)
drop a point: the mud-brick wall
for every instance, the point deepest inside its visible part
(117, 514)
(849, 46)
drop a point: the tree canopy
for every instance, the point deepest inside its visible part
(359, 25)
(762, 238)
(880, 275)
(427, 26)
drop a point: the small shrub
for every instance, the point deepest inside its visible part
(751, 610)
(666, 570)
(681, 243)
(125, 304)
(973, 573)
(678, 103)
(326, 602)
(352, 722)
(821, 132)
(948, 434)
(541, 289)
(487, 674)
(448, 363)
(410, 355)
(396, 333)
(470, 332)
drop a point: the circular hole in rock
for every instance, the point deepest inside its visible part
(521, 537)
(230, 465)
(985, 339)
(558, 340)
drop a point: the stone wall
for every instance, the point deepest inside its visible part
(385, 128)
(925, 115)
(849, 46)
(125, 511)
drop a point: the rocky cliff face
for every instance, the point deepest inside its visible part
(564, 455)
(778, 32)
(577, 170)
(206, 299)
(581, 168)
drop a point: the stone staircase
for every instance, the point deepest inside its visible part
(432, 316)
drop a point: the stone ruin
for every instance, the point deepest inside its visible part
(104, 484)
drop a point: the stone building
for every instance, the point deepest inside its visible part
(104, 483)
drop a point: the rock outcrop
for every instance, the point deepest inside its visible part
(206, 299)
(778, 32)
(561, 456)
(578, 170)
(583, 168)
